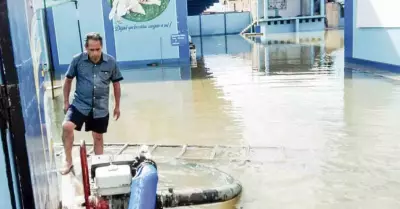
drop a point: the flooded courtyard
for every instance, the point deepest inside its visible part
(329, 134)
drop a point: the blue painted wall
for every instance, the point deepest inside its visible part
(131, 43)
(218, 24)
(156, 74)
(154, 44)
(29, 56)
(376, 47)
(5, 197)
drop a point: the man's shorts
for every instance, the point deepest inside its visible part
(98, 125)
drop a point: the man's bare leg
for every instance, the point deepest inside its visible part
(98, 143)
(68, 140)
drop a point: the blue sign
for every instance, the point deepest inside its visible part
(179, 39)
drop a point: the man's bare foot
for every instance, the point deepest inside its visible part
(67, 169)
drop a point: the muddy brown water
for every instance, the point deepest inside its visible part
(336, 129)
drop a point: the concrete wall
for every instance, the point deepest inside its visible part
(377, 47)
(213, 45)
(218, 24)
(135, 41)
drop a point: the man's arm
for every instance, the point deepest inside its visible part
(69, 76)
(117, 93)
(67, 89)
(116, 77)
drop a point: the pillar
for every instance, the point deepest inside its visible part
(264, 26)
(322, 6)
(266, 4)
(260, 11)
(312, 7)
(264, 31)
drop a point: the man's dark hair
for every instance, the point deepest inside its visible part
(93, 36)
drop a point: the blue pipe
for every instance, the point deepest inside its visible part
(144, 188)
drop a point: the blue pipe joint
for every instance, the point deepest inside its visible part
(144, 188)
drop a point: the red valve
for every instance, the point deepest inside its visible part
(90, 201)
(102, 204)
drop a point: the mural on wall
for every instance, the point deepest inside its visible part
(148, 25)
(137, 10)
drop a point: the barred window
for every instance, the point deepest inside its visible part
(277, 4)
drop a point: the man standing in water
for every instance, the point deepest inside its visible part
(94, 70)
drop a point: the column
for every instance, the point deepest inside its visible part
(266, 4)
(311, 7)
(322, 13)
(260, 12)
(264, 26)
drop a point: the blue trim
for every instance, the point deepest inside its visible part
(143, 63)
(216, 34)
(348, 29)
(109, 30)
(373, 64)
(53, 38)
(182, 14)
(186, 73)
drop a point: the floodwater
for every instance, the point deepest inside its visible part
(333, 133)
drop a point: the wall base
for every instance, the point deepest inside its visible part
(124, 65)
(355, 63)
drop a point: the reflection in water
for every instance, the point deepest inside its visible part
(334, 131)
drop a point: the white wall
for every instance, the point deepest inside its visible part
(385, 44)
(378, 13)
(293, 9)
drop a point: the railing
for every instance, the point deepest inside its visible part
(191, 152)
